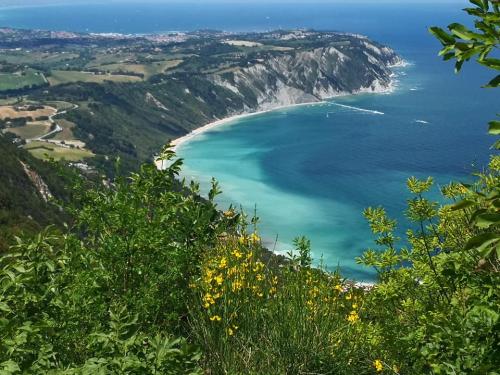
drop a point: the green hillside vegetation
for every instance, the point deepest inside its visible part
(150, 278)
(22, 209)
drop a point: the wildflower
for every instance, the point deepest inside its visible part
(219, 279)
(260, 294)
(229, 213)
(348, 297)
(215, 318)
(242, 240)
(353, 317)
(354, 306)
(223, 263)
(254, 238)
(378, 365)
(208, 300)
(338, 288)
(395, 369)
(237, 285)
(260, 277)
(230, 331)
(237, 254)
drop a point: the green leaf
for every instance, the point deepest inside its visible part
(494, 127)
(442, 36)
(462, 205)
(490, 63)
(482, 241)
(495, 82)
(462, 32)
(4, 307)
(486, 220)
(458, 65)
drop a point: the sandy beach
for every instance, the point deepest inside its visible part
(188, 137)
(193, 134)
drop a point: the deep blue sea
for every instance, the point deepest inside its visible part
(312, 170)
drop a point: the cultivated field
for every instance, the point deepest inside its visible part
(59, 77)
(11, 112)
(148, 70)
(67, 131)
(46, 150)
(31, 130)
(18, 80)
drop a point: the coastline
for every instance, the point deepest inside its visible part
(212, 125)
(176, 143)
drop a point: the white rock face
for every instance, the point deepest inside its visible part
(312, 75)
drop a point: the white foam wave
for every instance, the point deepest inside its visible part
(422, 122)
(358, 109)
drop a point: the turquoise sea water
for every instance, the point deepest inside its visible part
(311, 170)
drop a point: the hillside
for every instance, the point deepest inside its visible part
(135, 93)
(26, 187)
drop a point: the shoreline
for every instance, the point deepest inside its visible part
(176, 143)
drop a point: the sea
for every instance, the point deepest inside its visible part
(312, 170)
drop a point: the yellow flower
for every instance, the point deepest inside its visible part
(254, 238)
(215, 318)
(353, 317)
(223, 263)
(219, 279)
(348, 297)
(338, 288)
(237, 285)
(260, 294)
(354, 306)
(229, 213)
(230, 331)
(260, 277)
(237, 254)
(395, 369)
(208, 300)
(242, 240)
(378, 365)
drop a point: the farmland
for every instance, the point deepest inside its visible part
(61, 76)
(22, 79)
(46, 150)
